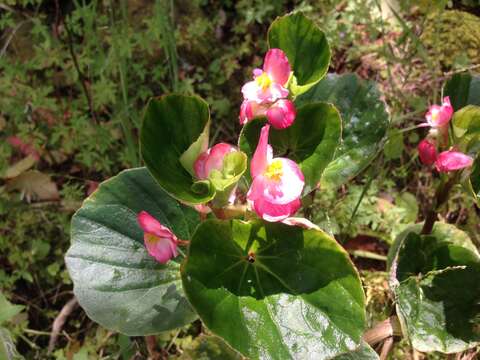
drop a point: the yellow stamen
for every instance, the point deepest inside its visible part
(434, 115)
(263, 81)
(274, 170)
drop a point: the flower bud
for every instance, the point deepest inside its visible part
(427, 152)
(452, 160)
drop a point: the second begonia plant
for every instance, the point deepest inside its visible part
(216, 231)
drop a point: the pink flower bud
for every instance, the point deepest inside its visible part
(281, 114)
(452, 160)
(212, 159)
(439, 115)
(277, 183)
(160, 241)
(427, 152)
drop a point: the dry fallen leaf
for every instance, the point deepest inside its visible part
(34, 185)
(19, 167)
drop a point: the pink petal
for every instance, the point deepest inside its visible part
(260, 157)
(301, 222)
(439, 116)
(257, 72)
(427, 152)
(276, 66)
(152, 226)
(162, 249)
(274, 92)
(452, 160)
(281, 114)
(274, 212)
(216, 155)
(199, 166)
(278, 191)
(252, 92)
(250, 110)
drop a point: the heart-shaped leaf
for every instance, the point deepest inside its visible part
(364, 123)
(311, 141)
(436, 281)
(463, 89)
(115, 280)
(274, 291)
(306, 47)
(173, 132)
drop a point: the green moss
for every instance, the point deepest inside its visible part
(452, 38)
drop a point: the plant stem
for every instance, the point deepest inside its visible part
(441, 196)
(383, 330)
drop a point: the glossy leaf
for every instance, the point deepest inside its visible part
(311, 141)
(466, 128)
(115, 280)
(364, 352)
(436, 281)
(274, 291)
(440, 310)
(364, 123)
(463, 89)
(170, 126)
(306, 47)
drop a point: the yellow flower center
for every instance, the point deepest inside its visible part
(274, 170)
(263, 81)
(435, 115)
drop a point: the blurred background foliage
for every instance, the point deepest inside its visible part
(75, 76)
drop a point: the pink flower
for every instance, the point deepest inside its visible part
(212, 159)
(277, 183)
(280, 115)
(452, 160)
(159, 240)
(427, 152)
(439, 116)
(268, 84)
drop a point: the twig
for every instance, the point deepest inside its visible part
(386, 348)
(383, 330)
(151, 342)
(83, 79)
(60, 321)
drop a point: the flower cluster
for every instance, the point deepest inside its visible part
(267, 94)
(438, 118)
(277, 183)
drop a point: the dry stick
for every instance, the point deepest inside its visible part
(151, 342)
(60, 321)
(83, 80)
(383, 330)
(386, 348)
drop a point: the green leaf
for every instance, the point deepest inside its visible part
(440, 311)
(171, 125)
(188, 158)
(364, 352)
(394, 146)
(115, 280)
(443, 234)
(7, 346)
(364, 123)
(306, 47)
(311, 141)
(274, 291)
(466, 128)
(474, 183)
(7, 309)
(463, 89)
(436, 281)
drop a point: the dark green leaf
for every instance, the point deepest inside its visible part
(466, 128)
(463, 89)
(364, 123)
(171, 125)
(436, 281)
(116, 282)
(311, 140)
(306, 47)
(474, 184)
(274, 291)
(441, 310)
